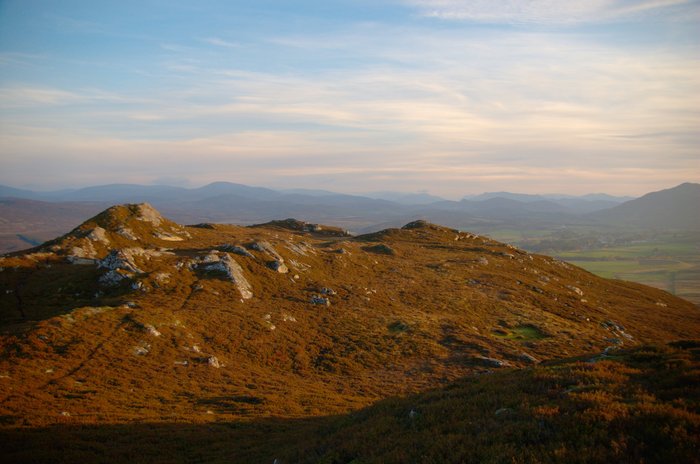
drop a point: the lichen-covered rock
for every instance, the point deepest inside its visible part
(239, 250)
(147, 213)
(113, 277)
(576, 290)
(122, 259)
(227, 265)
(126, 233)
(84, 249)
(98, 234)
(278, 266)
(319, 300)
(492, 362)
(268, 249)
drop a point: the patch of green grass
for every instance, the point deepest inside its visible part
(521, 333)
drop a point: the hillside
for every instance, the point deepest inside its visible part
(133, 319)
(674, 208)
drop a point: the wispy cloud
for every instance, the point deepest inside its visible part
(543, 11)
(401, 106)
(221, 42)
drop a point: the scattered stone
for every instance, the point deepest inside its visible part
(529, 358)
(412, 414)
(213, 362)
(65, 413)
(152, 330)
(576, 290)
(503, 411)
(288, 318)
(278, 266)
(483, 261)
(493, 362)
(142, 349)
(327, 291)
(182, 363)
(319, 300)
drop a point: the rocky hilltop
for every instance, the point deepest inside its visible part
(131, 318)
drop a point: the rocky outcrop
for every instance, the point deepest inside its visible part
(122, 260)
(277, 263)
(227, 265)
(98, 234)
(239, 250)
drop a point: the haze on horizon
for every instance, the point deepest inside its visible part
(446, 96)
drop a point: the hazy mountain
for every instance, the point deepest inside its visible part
(675, 208)
(269, 340)
(571, 204)
(522, 197)
(12, 192)
(226, 202)
(419, 198)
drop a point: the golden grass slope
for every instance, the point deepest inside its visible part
(410, 309)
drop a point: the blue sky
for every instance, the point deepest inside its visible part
(448, 96)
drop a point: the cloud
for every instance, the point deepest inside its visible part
(449, 110)
(543, 11)
(221, 42)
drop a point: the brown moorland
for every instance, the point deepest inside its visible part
(134, 323)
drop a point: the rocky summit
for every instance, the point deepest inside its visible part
(131, 319)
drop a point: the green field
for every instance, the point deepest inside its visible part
(671, 266)
(670, 261)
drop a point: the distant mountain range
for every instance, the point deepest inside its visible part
(27, 217)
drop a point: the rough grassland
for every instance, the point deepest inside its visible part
(157, 355)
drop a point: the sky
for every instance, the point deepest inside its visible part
(452, 97)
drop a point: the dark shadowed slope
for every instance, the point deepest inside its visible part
(675, 208)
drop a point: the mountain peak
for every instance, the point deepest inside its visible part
(116, 227)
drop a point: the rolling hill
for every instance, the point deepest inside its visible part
(257, 336)
(675, 208)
